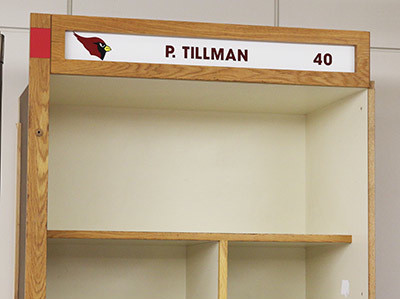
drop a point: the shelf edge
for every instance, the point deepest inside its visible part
(185, 236)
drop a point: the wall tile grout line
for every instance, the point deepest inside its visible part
(385, 48)
(69, 7)
(276, 13)
(13, 28)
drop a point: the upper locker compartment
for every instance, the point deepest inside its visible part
(194, 127)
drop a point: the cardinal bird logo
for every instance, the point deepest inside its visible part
(96, 46)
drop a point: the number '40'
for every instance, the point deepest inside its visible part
(325, 59)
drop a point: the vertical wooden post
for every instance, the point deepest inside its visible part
(371, 192)
(223, 270)
(37, 168)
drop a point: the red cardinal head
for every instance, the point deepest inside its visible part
(96, 46)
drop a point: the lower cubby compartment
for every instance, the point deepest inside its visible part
(259, 272)
(132, 269)
(279, 271)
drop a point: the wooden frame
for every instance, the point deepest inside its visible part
(61, 24)
(37, 171)
(37, 147)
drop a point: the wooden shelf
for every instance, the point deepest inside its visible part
(126, 235)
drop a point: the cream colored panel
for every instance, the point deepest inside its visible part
(328, 266)
(381, 17)
(202, 271)
(193, 95)
(336, 189)
(337, 199)
(147, 170)
(264, 272)
(115, 269)
(252, 12)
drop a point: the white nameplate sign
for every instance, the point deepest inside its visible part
(209, 52)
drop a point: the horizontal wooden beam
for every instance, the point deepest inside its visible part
(60, 65)
(128, 235)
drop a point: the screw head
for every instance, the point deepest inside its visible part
(39, 132)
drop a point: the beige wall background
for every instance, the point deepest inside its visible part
(381, 18)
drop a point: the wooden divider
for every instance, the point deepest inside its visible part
(223, 270)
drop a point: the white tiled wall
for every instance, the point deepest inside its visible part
(380, 17)
(15, 78)
(252, 12)
(385, 70)
(15, 13)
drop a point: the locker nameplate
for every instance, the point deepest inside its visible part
(209, 52)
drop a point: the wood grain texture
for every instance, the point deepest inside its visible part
(40, 20)
(371, 193)
(60, 65)
(128, 235)
(37, 172)
(36, 206)
(223, 270)
(207, 30)
(18, 209)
